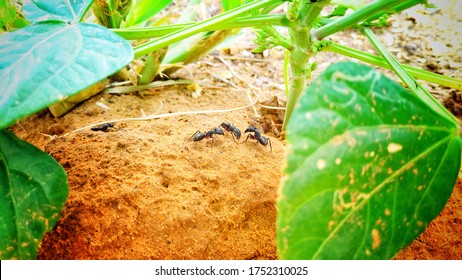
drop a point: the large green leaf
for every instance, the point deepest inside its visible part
(369, 167)
(46, 62)
(64, 10)
(33, 189)
(142, 10)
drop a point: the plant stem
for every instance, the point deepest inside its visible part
(301, 53)
(286, 71)
(194, 47)
(413, 86)
(195, 51)
(356, 17)
(241, 22)
(379, 61)
(110, 13)
(398, 8)
(200, 27)
(152, 65)
(179, 51)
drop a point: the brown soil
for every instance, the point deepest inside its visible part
(143, 190)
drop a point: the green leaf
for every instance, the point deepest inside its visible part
(33, 190)
(338, 12)
(144, 9)
(64, 10)
(44, 63)
(369, 167)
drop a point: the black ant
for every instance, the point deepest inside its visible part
(235, 132)
(257, 136)
(103, 127)
(198, 136)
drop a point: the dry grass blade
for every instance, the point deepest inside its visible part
(156, 84)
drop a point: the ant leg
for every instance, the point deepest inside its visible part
(271, 148)
(248, 138)
(234, 138)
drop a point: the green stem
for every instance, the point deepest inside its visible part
(151, 67)
(179, 50)
(413, 86)
(200, 27)
(379, 61)
(286, 71)
(267, 9)
(398, 8)
(192, 53)
(301, 53)
(241, 22)
(354, 18)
